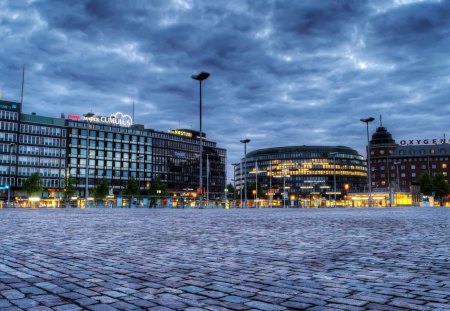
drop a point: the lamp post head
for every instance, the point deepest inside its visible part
(367, 120)
(244, 141)
(201, 76)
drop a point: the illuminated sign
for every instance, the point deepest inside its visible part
(434, 141)
(117, 118)
(73, 117)
(181, 133)
(8, 106)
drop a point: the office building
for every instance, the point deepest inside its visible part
(301, 172)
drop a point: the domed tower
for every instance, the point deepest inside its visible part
(382, 146)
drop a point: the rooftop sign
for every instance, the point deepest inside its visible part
(117, 118)
(181, 133)
(426, 141)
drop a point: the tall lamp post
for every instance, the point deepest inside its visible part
(141, 173)
(87, 116)
(245, 142)
(367, 121)
(200, 77)
(11, 145)
(396, 163)
(234, 182)
(334, 154)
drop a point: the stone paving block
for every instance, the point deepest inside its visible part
(68, 307)
(264, 306)
(12, 294)
(25, 303)
(5, 303)
(40, 308)
(101, 307)
(389, 259)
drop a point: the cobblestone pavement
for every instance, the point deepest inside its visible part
(280, 259)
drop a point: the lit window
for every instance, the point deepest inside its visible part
(444, 165)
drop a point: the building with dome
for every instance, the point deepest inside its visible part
(395, 167)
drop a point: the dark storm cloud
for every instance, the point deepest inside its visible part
(282, 72)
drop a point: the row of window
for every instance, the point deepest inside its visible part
(39, 140)
(38, 161)
(42, 130)
(109, 144)
(44, 172)
(43, 151)
(74, 152)
(404, 175)
(115, 164)
(9, 137)
(108, 128)
(9, 115)
(8, 126)
(413, 151)
(412, 167)
(125, 137)
(46, 182)
(441, 159)
(108, 173)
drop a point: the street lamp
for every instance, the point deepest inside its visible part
(367, 121)
(245, 142)
(87, 116)
(142, 172)
(9, 181)
(234, 182)
(334, 154)
(396, 163)
(200, 77)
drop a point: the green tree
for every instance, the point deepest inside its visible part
(132, 187)
(440, 187)
(101, 190)
(426, 186)
(69, 186)
(158, 187)
(33, 185)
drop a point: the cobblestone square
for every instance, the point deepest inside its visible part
(215, 259)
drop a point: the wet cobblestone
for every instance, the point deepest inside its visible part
(267, 259)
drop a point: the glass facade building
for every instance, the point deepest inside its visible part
(302, 171)
(111, 150)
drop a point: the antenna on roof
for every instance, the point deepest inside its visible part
(381, 121)
(133, 111)
(23, 82)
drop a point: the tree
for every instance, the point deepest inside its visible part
(426, 186)
(33, 185)
(101, 190)
(250, 191)
(69, 186)
(440, 186)
(158, 187)
(132, 187)
(230, 189)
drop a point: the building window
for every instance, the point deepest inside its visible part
(413, 167)
(381, 151)
(444, 165)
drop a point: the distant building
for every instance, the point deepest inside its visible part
(398, 166)
(301, 172)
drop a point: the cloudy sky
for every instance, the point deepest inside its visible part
(282, 72)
